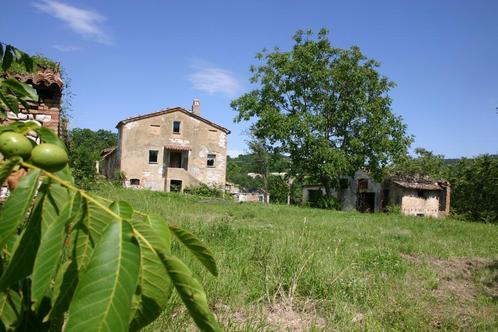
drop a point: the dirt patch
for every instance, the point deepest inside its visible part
(460, 281)
(281, 316)
(456, 277)
(292, 317)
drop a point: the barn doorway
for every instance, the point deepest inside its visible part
(366, 202)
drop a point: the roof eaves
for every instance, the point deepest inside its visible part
(169, 110)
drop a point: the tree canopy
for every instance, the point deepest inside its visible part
(326, 107)
(84, 150)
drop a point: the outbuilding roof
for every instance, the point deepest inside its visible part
(418, 185)
(171, 110)
(46, 77)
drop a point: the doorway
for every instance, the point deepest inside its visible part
(366, 202)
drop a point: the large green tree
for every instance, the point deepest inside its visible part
(327, 107)
(85, 146)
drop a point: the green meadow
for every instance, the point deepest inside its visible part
(288, 268)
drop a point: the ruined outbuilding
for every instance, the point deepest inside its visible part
(418, 196)
(169, 150)
(415, 195)
(46, 110)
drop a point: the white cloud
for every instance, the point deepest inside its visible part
(212, 80)
(67, 48)
(84, 22)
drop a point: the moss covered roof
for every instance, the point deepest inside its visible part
(40, 63)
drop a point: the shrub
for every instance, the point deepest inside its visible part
(321, 201)
(205, 191)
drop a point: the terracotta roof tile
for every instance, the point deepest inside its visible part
(45, 77)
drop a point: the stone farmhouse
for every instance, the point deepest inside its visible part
(169, 150)
(417, 196)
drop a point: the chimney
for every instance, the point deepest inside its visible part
(196, 107)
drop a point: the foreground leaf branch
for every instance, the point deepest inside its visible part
(74, 260)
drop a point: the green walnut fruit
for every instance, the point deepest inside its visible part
(49, 157)
(15, 144)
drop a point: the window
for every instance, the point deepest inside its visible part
(153, 156)
(362, 184)
(134, 182)
(210, 160)
(176, 127)
(175, 185)
(344, 183)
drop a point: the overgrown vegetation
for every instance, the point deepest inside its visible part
(85, 146)
(293, 268)
(278, 184)
(205, 190)
(39, 63)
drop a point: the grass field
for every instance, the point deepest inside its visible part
(298, 269)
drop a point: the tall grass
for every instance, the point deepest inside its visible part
(293, 268)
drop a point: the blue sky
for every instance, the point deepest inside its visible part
(133, 57)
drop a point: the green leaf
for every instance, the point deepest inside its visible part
(17, 205)
(49, 255)
(52, 203)
(21, 264)
(28, 62)
(20, 127)
(7, 167)
(48, 136)
(7, 58)
(198, 249)
(158, 234)
(122, 209)
(103, 295)
(20, 89)
(10, 101)
(191, 293)
(96, 219)
(58, 195)
(154, 286)
(80, 239)
(65, 284)
(10, 309)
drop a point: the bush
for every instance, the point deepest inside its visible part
(393, 209)
(321, 201)
(474, 184)
(205, 191)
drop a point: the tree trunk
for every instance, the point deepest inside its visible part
(328, 185)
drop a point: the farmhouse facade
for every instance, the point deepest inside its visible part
(417, 196)
(168, 150)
